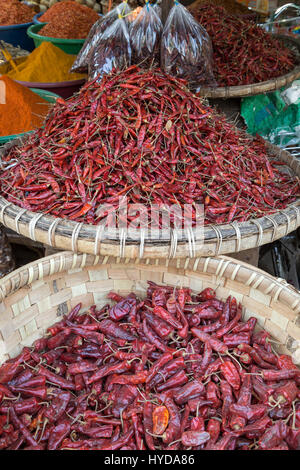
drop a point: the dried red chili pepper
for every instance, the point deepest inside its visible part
(213, 428)
(273, 436)
(275, 375)
(244, 399)
(23, 429)
(119, 442)
(108, 327)
(166, 371)
(57, 435)
(173, 430)
(286, 393)
(227, 398)
(154, 369)
(122, 308)
(148, 424)
(11, 368)
(206, 294)
(194, 438)
(56, 379)
(168, 317)
(231, 374)
(176, 380)
(58, 406)
(103, 371)
(215, 344)
(250, 412)
(159, 326)
(188, 391)
(27, 405)
(138, 378)
(160, 418)
(212, 394)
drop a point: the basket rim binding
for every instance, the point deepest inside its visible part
(217, 239)
(218, 265)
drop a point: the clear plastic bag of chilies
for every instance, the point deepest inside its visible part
(145, 34)
(186, 49)
(82, 60)
(113, 50)
(157, 9)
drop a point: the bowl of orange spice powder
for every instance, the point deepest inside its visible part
(21, 109)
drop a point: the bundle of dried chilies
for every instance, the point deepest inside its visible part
(111, 51)
(186, 49)
(86, 52)
(176, 370)
(142, 134)
(145, 34)
(243, 52)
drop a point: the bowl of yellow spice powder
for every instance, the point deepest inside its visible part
(47, 67)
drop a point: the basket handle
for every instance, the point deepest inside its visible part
(283, 8)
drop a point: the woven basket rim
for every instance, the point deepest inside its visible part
(66, 234)
(240, 91)
(221, 267)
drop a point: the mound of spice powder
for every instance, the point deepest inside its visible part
(14, 12)
(243, 52)
(68, 20)
(142, 134)
(46, 64)
(23, 110)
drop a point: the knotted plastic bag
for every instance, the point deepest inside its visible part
(145, 36)
(186, 49)
(112, 51)
(82, 60)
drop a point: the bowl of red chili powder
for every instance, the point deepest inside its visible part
(15, 19)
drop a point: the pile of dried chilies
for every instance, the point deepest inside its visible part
(244, 53)
(144, 135)
(176, 370)
(231, 6)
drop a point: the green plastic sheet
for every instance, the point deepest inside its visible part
(272, 117)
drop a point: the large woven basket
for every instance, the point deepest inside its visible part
(262, 87)
(37, 295)
(217, 240)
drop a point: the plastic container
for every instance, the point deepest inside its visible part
(17, 35)
(63, 89)
(36, 18)
(38, 15)
(48, 96)
(70, 46)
